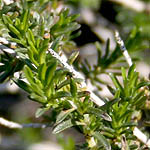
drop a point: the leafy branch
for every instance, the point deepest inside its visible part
(38, 39)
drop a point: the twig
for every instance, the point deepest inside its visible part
(135, 5)
(14, 125)
(123, 48)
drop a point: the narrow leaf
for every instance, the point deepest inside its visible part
(73, 57)
(63, 126)
(61, 94)
(40, 112)
(50, 72)
(99, 113)
(102, 140)
(73, 88)
(23, 85)
(63, 114)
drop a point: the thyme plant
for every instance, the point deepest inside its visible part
(34, 35)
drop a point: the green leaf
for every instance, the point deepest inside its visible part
(130, 124)
(83, 94)
(109, 104)
(50, 73)
(31, 36)
(116, 82)
(60, 75)
(99, 51)
(61, 94)
(131, 71)
(42, 72)
(111, 89)
(14, 30)
(73, 57)
(107, 49)
(31, 56)
(40, 112)
(56, 43)
(7, 20)
(102, 140)
(29, 75)
(32, 46)
(43, 49)
(5, 75)
(137, 96)
(63, 126)
(73, 88)
(142, 84)
(24, 24)
(74, 17)
(23, 85)
(66, 82)
(140, 102)
(123, 74)
(99, 113)
(108, 129)
(38, 98)
(63, 114)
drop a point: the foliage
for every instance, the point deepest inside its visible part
(50, 84)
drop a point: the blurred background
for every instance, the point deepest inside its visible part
(98, 19)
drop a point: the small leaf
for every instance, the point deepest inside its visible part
(111, 89)
(66, 82)
(99, 51)
(99, 113)
(31, 36)
(24, 21)
(116, 82)
(38, 98)
(42, 71)
(144, 83)
(73, 88)
(123, 73)
(29, 74)
(63, 126)
(83, 94)
(102, 140)
(61, 94)
(31, 56)
(107, 49)
(131, 71)
(40, 112)
(43, 49)
(50, 72)
(56, 43)
(109, 104)
(7, 20)
(23, 85)
(14, 30)
(63, 114)
(73, 57)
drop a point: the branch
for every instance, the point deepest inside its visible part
(76, 74)
(94, 98)
(14, 125)
(135, 5)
